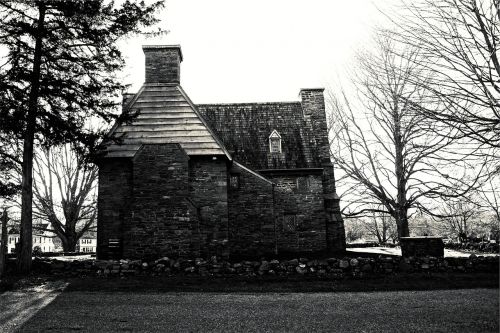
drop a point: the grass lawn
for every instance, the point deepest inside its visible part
(466, 310)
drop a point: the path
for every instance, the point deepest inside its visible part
(17, 307)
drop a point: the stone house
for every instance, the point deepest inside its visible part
(193, 180)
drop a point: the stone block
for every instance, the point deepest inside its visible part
(422, 246)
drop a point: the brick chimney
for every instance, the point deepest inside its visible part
(163, 63)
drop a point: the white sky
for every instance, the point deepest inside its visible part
(259, 51)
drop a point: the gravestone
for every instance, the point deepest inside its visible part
(422, 246)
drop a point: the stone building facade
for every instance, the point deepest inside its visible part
(188, 180)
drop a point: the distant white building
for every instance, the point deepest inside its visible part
(46, 241)
(88, 243)
(43, 241)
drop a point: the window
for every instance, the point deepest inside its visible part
(290, 223)
(275, 142)
(234, 181)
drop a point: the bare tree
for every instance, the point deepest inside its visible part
(354, 229)
(459, 217)
(65, 194)
(459, 41)
(488, 198)
(392, 159)
(382, 226)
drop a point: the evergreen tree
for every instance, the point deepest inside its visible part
(60, 73)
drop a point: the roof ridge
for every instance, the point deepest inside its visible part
(214, 136)
(252, 103)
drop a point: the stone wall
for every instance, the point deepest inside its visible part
(288, 217)
(422, 246)
(251, 213)
(115, 193)
(327, 268)
(208, 194)
(160, 221)
(313, 105)
(334, 222)
(301, 218)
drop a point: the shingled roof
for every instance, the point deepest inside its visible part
(245, 129)
(165, 115)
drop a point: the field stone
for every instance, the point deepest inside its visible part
(190, 269)
(164, 261)
(343, 264)
(405, 267)
(300, 270)
(101, 264)
(366, 268)
(264, 266)
(387, 265)
(56, 264)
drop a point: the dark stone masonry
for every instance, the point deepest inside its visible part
(184, 180)
(422, 246)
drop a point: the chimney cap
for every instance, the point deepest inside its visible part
(312, 89)
(163, 47)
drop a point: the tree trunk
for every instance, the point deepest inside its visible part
(402, 223)
(400, 209)
(384, 229)
(3, 248)
(26, 242)
(69, 244)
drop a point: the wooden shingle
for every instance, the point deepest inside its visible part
(164, 115)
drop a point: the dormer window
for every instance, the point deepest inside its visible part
(275, 142)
